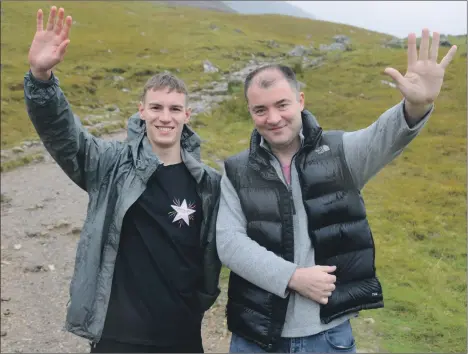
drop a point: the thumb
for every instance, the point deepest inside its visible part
(61, 50)
(395, 75)
(328, 269)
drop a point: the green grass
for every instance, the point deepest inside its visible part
(23, 160)
(173, 40)
(416, 205)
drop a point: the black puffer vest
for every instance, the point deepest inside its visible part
(338, 228)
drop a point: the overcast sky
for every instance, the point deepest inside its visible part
(397, 18)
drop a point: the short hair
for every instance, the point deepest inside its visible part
(286, 71)
(164, 80)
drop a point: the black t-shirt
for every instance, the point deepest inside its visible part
(159, 264)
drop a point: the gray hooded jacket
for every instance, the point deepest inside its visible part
(114, 174)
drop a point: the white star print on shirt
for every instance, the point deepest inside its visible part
(183, 212)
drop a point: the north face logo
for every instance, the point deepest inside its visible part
(322, 149)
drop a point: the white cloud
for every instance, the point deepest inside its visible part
(397, 18)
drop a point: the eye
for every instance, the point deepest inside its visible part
(259, 112)
(283, 105)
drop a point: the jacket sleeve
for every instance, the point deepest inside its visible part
(369, 150)
(83, 157)
(241, 254)
(212, 264)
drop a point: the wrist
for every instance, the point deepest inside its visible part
(415, 112)
(43, 75)
(292, 284)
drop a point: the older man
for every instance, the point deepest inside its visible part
(292, 224)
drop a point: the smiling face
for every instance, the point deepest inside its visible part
(275, 107)
(165, 113)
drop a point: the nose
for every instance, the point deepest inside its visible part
(273, 117)
(165, 116)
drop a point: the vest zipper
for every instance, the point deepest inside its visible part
(291, 199)
(288, 185)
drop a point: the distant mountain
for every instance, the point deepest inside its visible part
(207, 5)
(268, 7)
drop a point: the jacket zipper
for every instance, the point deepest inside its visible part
(288, 186)
(291, 199)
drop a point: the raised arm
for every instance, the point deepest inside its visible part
(83, 157)
(368, 150)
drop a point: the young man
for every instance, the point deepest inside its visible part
(292, 224)
(146, 266)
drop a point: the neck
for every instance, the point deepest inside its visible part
(285, 152)
(168, 156)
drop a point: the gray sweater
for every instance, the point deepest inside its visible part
(367, 151)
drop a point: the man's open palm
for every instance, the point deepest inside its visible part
(424, 76)
(48, 46)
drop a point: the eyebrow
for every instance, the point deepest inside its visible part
(284, 100)
(172, 106)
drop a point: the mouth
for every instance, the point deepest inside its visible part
(164, 129)
(276, 128)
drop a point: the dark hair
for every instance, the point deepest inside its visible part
(164, 80)
(286, 71)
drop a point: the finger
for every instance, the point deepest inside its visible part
(324, 300)
(331, 287)
(51, 21)
(66, 28)
(448, 57)
(412, 51)
(395, 75)
(59, 23)
(39, 21)
(424, 45)
(331, 278)
(434, 46)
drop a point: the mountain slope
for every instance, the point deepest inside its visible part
(211, 5)
(151, 37)
(268, 7)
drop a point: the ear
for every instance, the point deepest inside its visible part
(188, 113)
(141, 109)
(301, 100)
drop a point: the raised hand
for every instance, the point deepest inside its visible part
(424, 76)
(49, 46)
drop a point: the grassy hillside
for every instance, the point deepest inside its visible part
(135, 39)
(417, 205)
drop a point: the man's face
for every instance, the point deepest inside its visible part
(165, 114)
(276, 110)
